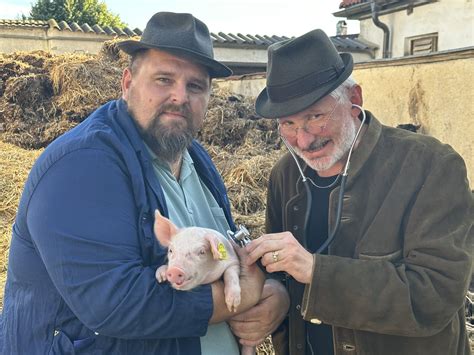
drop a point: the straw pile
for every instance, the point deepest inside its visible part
(15, 165)
(42, 96)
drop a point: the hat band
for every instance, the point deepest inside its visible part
(304, 85)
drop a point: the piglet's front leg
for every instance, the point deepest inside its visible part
(232, 287)
(160, 273)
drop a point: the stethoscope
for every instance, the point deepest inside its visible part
(340, 200)
(242, 236)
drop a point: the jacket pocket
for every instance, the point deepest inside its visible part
(63, 345)
(395, 256)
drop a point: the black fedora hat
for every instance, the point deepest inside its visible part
(300, 72)
(182, 35)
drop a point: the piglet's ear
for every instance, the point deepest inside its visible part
(164, 229)
(218, 249)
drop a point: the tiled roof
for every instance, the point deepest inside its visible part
(239, 38)
(71, 26)
(342, 43)
(352, 42)
(349, 3)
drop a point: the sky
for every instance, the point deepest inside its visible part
(263, 17)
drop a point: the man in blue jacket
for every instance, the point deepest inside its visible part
(81, 274)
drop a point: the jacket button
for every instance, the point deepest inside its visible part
(145, 218)
(96, 333)
(298, 307)
(315, 321)
(296, 208)
(295, 227)
(56, 332)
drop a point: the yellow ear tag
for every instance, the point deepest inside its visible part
(222, 251)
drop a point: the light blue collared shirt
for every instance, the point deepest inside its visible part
(190, 203)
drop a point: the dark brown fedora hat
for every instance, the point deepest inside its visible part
(300, 72)
(181, 35)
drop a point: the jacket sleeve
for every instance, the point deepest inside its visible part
(418, 293)
(83, 220)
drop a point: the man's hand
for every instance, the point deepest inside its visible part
(251, 280)
(282, 252)
(261, 320)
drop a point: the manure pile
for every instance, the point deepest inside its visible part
(43, 95)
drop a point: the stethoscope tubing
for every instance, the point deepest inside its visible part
(342, 187)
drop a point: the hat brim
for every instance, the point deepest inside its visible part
(267, 108)
(216, 69)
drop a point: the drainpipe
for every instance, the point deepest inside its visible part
(386, 31)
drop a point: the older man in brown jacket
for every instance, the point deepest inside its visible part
(394, 277)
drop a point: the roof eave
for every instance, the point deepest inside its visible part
(363, 11)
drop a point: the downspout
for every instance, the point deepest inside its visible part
(386, 31)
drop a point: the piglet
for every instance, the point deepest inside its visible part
(198, 256)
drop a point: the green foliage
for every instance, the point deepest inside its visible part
(81, 11)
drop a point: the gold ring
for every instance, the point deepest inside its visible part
(275, 256)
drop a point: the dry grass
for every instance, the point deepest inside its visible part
(15, 165)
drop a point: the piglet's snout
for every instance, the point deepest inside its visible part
(175, 275)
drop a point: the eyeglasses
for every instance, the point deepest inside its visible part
(313, 124)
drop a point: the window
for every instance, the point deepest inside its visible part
(421, 44)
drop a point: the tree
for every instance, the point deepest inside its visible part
(81, 11)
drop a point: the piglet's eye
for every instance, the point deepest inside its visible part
(170, 251)
(202, 251)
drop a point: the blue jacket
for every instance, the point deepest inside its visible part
(81, 272)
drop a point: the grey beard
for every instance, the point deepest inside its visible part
(342, 142)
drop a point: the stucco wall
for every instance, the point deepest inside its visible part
(20, 40)
(451, 19)
(247, 55)
(53, 40)
(435, 91)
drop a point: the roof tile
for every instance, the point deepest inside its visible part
(86, 28)
(342, 43)
(349, 3)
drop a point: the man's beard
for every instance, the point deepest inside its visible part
(169, 140)
(342, 144)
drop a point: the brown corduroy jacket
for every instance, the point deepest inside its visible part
(396, 275)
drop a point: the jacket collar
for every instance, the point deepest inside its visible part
(365, 147)
(128, 125)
